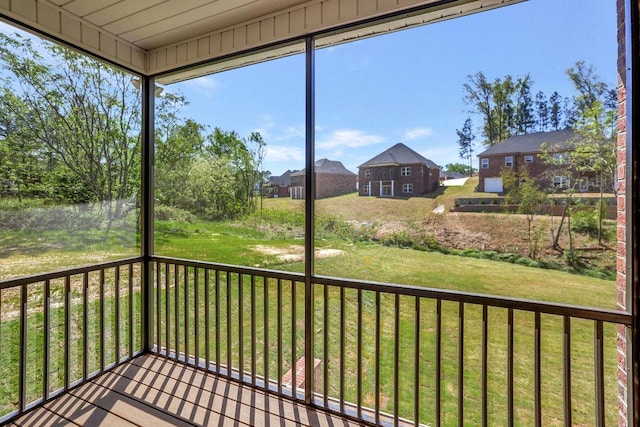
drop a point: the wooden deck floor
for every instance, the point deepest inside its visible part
(153, 391)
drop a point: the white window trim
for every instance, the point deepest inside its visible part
(484, 163)
(405, 171)
(528, 158)
(407, 188)
(367, 173)
(508, 161)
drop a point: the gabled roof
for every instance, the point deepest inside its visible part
(282, 180)
(329, 167)
(532, 143)
(397, 155)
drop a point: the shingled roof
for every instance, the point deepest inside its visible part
(532, 143)
(329, 167)
(397, 155)
(284, 179)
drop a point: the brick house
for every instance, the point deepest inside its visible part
(279, 186)
(523, 152)
(332, 179)
(398, 172)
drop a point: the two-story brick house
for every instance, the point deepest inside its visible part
(398, 172)
(524, 152)
(332, 179)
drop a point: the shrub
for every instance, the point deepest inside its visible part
(170, 213)
(585, 222)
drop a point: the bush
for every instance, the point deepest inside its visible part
(170, 213)
(585, 222)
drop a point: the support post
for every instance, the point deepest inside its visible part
(146, 210)
(310, 196)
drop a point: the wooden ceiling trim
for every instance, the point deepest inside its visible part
(48, 19)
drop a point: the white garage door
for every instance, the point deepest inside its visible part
(493, 185)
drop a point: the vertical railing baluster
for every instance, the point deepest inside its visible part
(22, 386)
(67, 331)
(167, 312)
(229, 348)
(359, 358)
(566, 345)
(537, 371)
(294, 359)
(116, 297)
(196, 317)
(396, 361)
(265, 284)
(253, 330)
(279, 336)
(241, 327)
(377, 361)
(599, 372)
(207, 329)
(485, 364)
(157, 282)
(102, 314)
(47, 339)
(438, 360)
(186, 314)
(510, 414)
(217, 298)
(325, 347)
(416, 365)
(131, 310)
(342, 334)
(176, 308)
(460, 364)
(85, 325)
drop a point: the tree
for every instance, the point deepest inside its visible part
(83, 115)
(465, 141)
(459, 168)
(555, 111)
(524, 117)
(590, 87)
(479, 94)
(521, 190)
(542, 111)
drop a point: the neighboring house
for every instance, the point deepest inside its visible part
(279, 186)
(332, 179)
(398, 172)
(522, 152)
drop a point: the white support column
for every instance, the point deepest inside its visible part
(369, 188)
(392, 189)
(380, 195)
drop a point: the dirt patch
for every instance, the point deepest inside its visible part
(294, 253)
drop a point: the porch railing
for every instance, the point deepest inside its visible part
(58, 330)
(392, 354)
(382, 353)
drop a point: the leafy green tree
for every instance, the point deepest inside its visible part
(522, 191)
(459, 168)
(465, 142)
(542, 112)
(524, 104)
(555, 111)
(82, 114)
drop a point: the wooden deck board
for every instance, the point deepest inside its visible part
(151, 390)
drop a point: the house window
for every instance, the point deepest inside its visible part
(367, 173)
(560, 158)
(560, 181)
(365, 189)
(407, 188)
(405, 171)
(584, 184)
(508, 161)
(484, 163)
(528, 159)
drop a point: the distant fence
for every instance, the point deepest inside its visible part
(498, 205)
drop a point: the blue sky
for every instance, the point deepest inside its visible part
(405, 86)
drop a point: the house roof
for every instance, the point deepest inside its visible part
(329, 167)
(399, 154)
(284, 179)
(532, 143)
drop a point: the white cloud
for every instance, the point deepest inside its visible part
(283, 153)
(206, 85)
(350, 138)
(416, 133)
